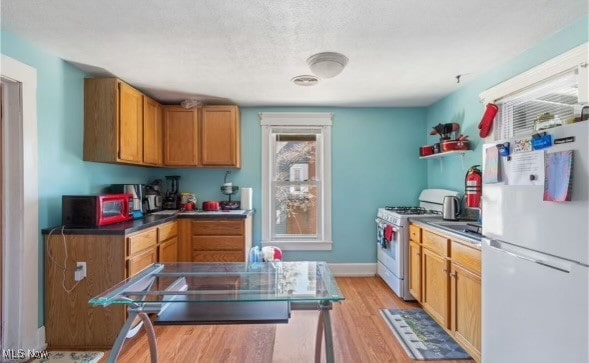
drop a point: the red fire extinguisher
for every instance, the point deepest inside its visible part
(473, 187)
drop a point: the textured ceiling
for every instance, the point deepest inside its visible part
(402, 53)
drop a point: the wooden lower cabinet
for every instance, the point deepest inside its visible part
(415, 270)
(70, 322)
(445, 277)
(140, 261)
(435, 299)
(466, 309)
(168, 251)
(215, 240)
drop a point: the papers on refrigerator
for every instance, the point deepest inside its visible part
(525, 168)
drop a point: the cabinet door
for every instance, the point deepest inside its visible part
(130, 124)
(435, 298)
(415, 270)
(168, 251)
(152, 132)
(220, 136)
(466, 309)
(180, 136)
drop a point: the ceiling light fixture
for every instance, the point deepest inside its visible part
(327, 64)
(305, 80)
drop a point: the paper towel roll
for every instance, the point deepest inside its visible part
(247, 198)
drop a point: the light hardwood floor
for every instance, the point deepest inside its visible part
(360, 334)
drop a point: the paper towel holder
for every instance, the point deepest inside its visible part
(247, 198)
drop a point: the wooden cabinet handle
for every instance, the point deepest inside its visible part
(453, 275)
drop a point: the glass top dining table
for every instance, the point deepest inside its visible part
(184, 293)
(225, 282)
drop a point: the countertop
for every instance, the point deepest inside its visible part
(150, 220)
(437, 225)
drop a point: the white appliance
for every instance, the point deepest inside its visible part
(535, 270)
(392, 238)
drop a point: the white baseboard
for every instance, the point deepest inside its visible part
(41, 343)
(353, 269)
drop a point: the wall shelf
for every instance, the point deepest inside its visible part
(445, 153)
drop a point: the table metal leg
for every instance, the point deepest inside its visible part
(116, 348)
(324, 331)
(151, 339)
(319, 337)
(150, 336)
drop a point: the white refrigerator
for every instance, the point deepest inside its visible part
(535, 269)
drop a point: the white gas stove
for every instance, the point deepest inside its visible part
(392, 235)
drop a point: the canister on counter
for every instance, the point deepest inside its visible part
(186, 198)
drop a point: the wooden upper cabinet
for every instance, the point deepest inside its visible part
(180, 136)
(115, 122)
(152, 132)
(130, 124)
(124, 126)
(220, 136)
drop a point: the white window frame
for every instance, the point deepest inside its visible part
(576, 58)
(271, 122)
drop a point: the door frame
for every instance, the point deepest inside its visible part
(20, 209)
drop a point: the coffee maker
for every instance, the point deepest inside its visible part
(172, 188)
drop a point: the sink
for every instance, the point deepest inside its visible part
(466, 228)
(452, 223)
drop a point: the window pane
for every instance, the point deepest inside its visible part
(295, 210)
(295, 158)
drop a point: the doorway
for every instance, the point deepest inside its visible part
(20, 204)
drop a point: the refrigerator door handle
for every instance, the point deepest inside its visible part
(504, 247)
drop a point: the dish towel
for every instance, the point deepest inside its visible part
(388, 233)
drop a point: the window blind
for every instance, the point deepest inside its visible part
(556, 97)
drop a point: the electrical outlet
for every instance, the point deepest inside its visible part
(80, 271)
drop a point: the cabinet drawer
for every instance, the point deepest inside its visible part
(217, 227)
(141, 241)
(467, 257)
(414, 233)
(435, 243)
(218, 256)
(141, 261)
(211, 243)
(167, 231)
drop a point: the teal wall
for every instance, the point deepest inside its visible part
(374, 149)
(60, 122)
(464, 107)
(374, 163)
